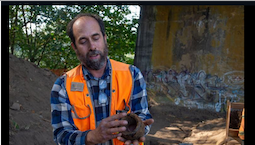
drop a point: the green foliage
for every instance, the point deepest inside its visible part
(15, 125)
(38, 33)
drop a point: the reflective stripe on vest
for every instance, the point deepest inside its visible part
(81, 99)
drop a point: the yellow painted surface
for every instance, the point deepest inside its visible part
(222, 35)
(161, 43)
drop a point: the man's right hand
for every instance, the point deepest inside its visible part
(108, 129)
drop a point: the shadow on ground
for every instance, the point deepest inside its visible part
(173, 124)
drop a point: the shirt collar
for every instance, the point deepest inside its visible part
(88, 75)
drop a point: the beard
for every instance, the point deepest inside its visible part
(93, 64)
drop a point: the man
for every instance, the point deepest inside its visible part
(85, 100)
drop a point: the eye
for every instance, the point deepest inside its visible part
(83, 41)
(96, 37)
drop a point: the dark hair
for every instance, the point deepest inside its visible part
(69, 29)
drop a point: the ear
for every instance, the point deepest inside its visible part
(73, 46)
(105, 38)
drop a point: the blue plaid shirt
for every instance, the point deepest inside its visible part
(65, 131)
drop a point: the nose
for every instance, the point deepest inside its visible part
(92, 45)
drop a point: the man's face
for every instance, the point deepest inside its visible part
(91, 47)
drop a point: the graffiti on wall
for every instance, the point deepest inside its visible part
(198, 89)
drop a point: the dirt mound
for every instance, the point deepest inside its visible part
(29, 103)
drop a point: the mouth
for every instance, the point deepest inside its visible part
(94, 56)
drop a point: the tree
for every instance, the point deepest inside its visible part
(38, 33)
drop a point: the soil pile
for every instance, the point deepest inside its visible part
(29, 103)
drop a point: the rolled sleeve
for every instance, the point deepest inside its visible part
(139, 101)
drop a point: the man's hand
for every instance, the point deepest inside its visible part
(108, 129)
(142, 139)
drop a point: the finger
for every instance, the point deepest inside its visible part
(115, 117)
(114, 136)
(117, 129)
(148, 122)
(120, 134)
(121, 139)
(135, 142)
(142, 139)
(128, 142)
(116, 123)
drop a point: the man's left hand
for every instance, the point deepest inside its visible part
(142, 139)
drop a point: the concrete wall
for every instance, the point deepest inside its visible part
(197, 57)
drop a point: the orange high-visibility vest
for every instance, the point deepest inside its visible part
(81, 99)
(241, 129)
